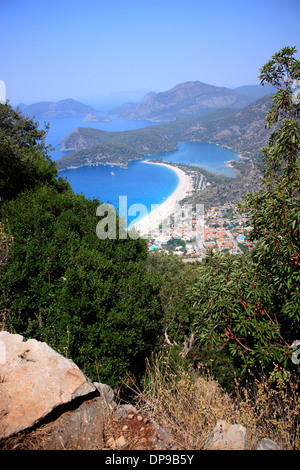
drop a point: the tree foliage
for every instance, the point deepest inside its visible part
(90, 299)
(174, 277)
(274, 211)
(24, 159)
(252, 303)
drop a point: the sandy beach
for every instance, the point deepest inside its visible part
(151, 221)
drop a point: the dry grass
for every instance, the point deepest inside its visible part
(270, 407)
(189, 404)
(26, 440)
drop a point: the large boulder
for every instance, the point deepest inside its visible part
(34, 380)
(225, 436)
(80, 426)
(268, 444)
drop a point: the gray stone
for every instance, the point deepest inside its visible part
(225, 436)
(126, 410)
(268, 444)
(106, 392)
(81, 428)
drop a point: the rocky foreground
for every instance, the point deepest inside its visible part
(47, 403)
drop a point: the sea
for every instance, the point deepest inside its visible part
(140, 183)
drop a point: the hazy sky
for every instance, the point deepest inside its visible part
(85, 49)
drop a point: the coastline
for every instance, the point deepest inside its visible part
(152, 220)
(123, 167)
(229, 164)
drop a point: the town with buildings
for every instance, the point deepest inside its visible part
(221, 228)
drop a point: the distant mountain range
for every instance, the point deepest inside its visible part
(184, 100)
(256, 91)
(189, 99)
(63, 108)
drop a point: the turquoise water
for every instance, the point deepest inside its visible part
(202, 154)
(140, 183)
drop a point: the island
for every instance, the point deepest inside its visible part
(62, 108)
(94, 118)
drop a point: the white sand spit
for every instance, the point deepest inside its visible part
(151, 221)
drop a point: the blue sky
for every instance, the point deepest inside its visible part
(88, 49)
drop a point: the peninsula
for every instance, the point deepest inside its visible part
(240, 131)
(95, 118)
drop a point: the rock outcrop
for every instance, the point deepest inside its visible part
(80, 424)
(34, 379)
(46, 395)
(268, 444)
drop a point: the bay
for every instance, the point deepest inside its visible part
(202, 154)
(139, 184)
